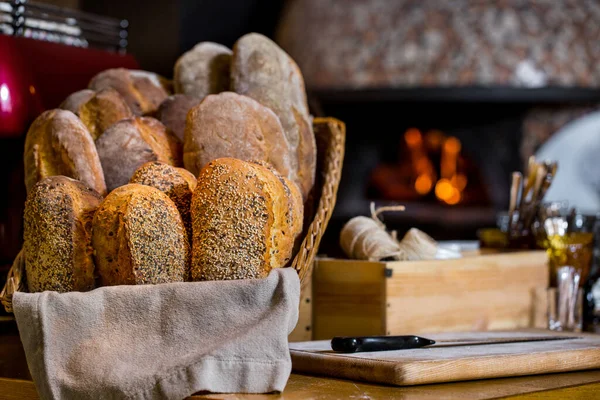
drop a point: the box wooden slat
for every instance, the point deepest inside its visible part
(304, 329)
(476, 292)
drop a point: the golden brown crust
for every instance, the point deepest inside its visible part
(57, 235)
(139, 238)
(132, 142)
(262, 70)
(177, 183)
(173, 111)
(232, 125)
(293, 214)
(244, 221)
(58, 143)
(143, 91)
(102, 110)
(76, 100)
(203, 70)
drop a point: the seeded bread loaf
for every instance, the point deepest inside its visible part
(262, 70)
(203, 70)
(245, 218)
(57, 235)
(104, 108)
(232, 125)
(143, 91)
(132, 142)
(177, 183)
(139, 238)
(173, 111)
(58, 143)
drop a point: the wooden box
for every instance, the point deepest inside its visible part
(476, 292)
(303, 331)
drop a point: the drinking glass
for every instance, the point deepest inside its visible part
(565, 302)
(570, 245)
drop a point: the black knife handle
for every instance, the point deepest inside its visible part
(352, 344)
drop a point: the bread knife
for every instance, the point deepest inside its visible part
(353, 344)
(350, 344)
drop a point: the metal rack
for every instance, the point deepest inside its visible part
(62, 25)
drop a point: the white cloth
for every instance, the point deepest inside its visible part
(576, 147)
(163, 341)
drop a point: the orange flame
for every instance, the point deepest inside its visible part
(423, 184)
(445, 191)
(413, 138)
(451, 185)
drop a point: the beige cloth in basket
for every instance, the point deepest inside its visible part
(161, 341)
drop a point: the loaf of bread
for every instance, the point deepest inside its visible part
(76, 100)
(232, 125)
(58, 143)
(104, 108)
(173, 111)
(203, 70)
(57, 235)
(132, 142)
(143, 91)
(245, 218)
(263, 71)
(177, 183)
(138, 238)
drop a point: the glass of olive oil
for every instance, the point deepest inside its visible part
(574, 249)
(569, 241)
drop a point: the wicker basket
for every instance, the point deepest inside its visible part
(330, 135)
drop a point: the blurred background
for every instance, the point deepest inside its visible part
(442, 99)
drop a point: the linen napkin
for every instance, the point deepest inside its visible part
(163, 341)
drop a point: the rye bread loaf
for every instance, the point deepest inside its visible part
(177, 183)
(139, 238)
(57, 235)
(173, 112)
(104, 108)
(143, 91)
(262, 70)
(76, 100)
(203, 70)
(232, 125)
(245, 218)
(132, 142)
(58, 143)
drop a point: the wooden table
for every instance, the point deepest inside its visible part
(15, 383)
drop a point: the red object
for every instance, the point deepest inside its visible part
(19, 102)
(34, 76)
(37, 75)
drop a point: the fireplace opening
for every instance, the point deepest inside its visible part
(430, 166)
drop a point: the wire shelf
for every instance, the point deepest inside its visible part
(62, 25)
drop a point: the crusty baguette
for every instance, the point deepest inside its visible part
(57, 235)
(103, 109)
(177, 183)
(139, 238)
(262, 70)
(173, 111)
(245, 219)
(132, 142)
(203, 70)
(143, 91)
(58, 143)
(232, 125)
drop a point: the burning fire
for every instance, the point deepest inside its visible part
(451, 184)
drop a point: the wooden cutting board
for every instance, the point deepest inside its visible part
(455, 358)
